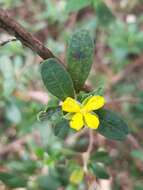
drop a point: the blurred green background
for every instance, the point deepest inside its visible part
(31, 157)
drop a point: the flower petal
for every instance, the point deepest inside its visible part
(77, 121)
(91, 120)
(94, 103)
(70, 105)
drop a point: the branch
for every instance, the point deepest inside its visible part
(15, 29)
(26, 38)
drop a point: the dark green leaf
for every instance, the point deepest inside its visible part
(80, 57)
(99, 170)
(56, 79)
(61, 129)
(64, 178)
(112, 126)
(12, 180)
(101, 156)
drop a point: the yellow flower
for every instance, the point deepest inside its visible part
(83, 114)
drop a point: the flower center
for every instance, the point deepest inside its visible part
(83, 111)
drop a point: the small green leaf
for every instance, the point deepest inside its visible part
(112, 126)
(61, 129)
(99, 170)
(74, 5)
(56, 79)
(103, 13)
(80, 57)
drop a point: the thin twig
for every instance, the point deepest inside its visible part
(86, 155)
(26, 38)
(91, 142)
(90, 179)
(73, 138)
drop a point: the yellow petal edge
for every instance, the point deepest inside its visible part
(94, 103)
(91, 120)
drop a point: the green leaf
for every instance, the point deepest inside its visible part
(101, 156)
(39, 152)
(74, 5)
(64, 178)
(137, 154)
(27, 166)
(61, 129)
(48, 182)
(99, 170)
(56, 79)
(12, 180)
(81, 144)
(138, 186)
(112, 126)
(80, 57)
(103, 13)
